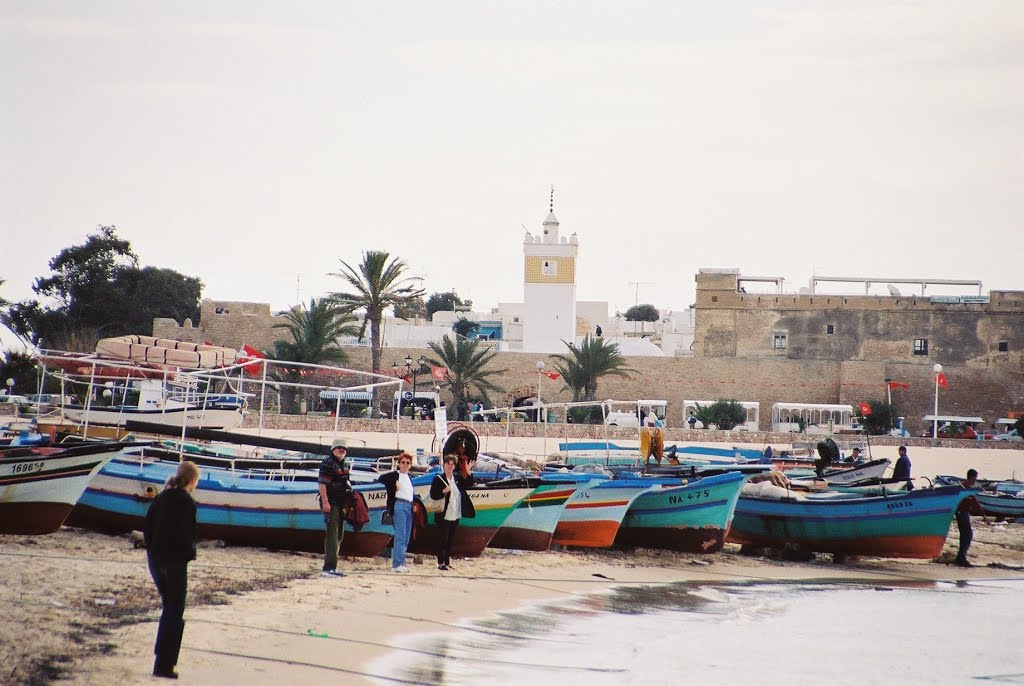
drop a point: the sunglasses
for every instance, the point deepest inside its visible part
(405, 462)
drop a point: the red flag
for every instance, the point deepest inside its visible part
(865, 409)
(899, 384)
(251, 353)
(554, 376)
(941, 379)
(437, 373)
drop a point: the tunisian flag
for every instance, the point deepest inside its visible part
(865, 409)
(899, 384)
(554, 376)
(255, 366)
(941, 380)
(437, 373)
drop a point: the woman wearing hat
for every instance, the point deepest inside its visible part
(333, 487)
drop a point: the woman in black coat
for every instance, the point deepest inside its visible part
(170, 535)
(444, 486)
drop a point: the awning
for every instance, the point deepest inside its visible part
(363, 396)
(950, 418)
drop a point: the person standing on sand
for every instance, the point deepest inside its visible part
(170, 534)
(333, 486)
(398, 485)
(451, 487)
(902, 468)
(968, 506)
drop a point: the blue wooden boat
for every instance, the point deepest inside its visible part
(692, 516)
(273, 508)
(912, 524)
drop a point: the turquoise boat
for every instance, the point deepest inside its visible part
(912, 524)
(531, 525)
(267, 508)
(493, 501)
(692, 516)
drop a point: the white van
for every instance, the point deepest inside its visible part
(651, 410)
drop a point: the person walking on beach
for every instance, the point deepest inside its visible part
(902, 468)
(170, 534)
(968, 506)
(451, 487)
(398, 485)
(333, 486)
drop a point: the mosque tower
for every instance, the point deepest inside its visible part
(549, 287)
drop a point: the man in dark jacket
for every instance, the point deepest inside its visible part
(333, 486)
(170, 533)
(902, 468)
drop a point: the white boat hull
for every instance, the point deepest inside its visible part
(208, 418)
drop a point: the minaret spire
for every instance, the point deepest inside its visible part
(551, 205)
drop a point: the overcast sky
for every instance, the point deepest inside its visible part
(256, 144)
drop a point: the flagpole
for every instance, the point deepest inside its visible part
(888, 391)
(935, 421)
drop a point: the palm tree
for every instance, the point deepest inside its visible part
(378, 282)
(465, 361)
(588, 363)
(314, 332)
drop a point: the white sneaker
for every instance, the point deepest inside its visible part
(400, 570)
(330, 573)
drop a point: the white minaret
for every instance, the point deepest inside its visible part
(549, 288)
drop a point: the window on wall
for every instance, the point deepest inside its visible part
(920, 346)
(1004, 346)
(780, 339)
(549, 268)
(830, 329)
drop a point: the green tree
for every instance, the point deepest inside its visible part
(410, 310)
(445, 302)
(724, 414)
(376, 283)
(313, 339)
(585, 365)
(97, 290)
(466, 363)
(642, 313)
(882, 418)
(22, 368)
(466, 328)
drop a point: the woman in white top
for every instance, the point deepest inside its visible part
(451, 486)
(398, 485)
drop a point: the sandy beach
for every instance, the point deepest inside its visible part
(79, 606)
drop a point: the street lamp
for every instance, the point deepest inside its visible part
(935, 418)
(10, 386)
(540, 370)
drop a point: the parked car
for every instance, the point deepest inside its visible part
(13, 400)
(1011, 435)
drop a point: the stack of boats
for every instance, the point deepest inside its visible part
(257, 491)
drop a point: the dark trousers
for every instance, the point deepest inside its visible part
(963, 523)
(171, 580)
(446, 537)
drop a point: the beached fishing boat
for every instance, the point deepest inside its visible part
(39, 486)
(493, 501)
(1002, 503)
(912, 524)
(592, 516)
(266, 507)
(531, 526)
(607, 453)
(691, 517)
(161, 402)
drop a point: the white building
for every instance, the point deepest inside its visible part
(549, 289)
